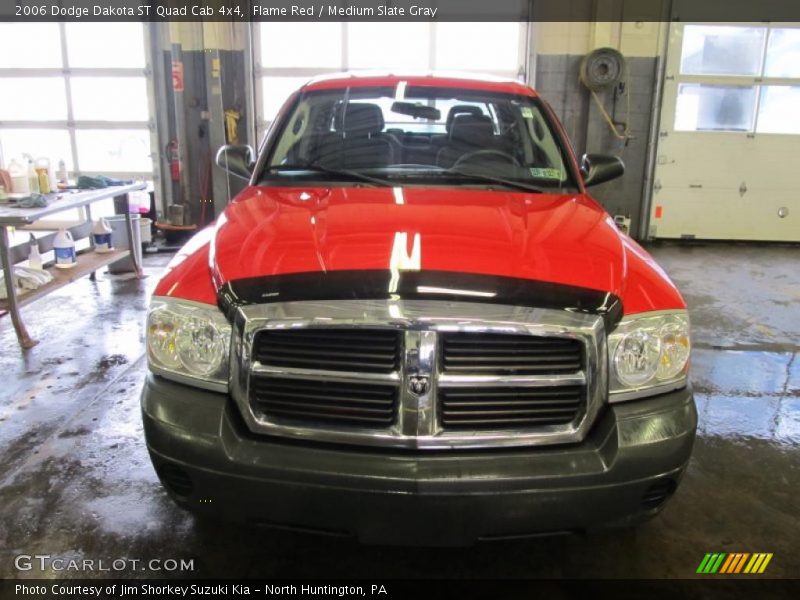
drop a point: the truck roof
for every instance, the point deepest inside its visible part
(470, 81)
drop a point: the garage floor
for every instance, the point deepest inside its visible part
(76, 482)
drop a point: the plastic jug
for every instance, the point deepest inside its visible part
(64, 247)
(34, 257)
(101, 235)
(33, 178)
(44, 175)
(61, 174)
(19, 178)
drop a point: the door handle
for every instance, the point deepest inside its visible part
(742, 189)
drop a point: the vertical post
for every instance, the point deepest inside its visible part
(183, 195)
(88, 212)
(25, 340)
(216, 128)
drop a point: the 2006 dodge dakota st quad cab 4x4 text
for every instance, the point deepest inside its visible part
(415, 326)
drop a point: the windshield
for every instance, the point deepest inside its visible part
(423, 135)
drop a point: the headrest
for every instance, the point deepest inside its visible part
(362, 119)
(461, 109)
(476, 131)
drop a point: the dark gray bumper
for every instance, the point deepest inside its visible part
(210, 463)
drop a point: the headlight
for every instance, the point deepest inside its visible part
(649, 354)
(189, 342)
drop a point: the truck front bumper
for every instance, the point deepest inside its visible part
(622, 473)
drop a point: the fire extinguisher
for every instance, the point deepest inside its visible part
(174, 160)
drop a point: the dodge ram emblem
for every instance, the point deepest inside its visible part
(418, 385)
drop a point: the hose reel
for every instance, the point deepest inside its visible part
(603, 69)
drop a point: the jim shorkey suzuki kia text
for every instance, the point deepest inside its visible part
(415, 326)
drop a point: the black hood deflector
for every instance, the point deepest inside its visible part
(418, 285)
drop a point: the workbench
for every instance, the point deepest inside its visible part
(88, 262)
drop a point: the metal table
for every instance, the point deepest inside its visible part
(88, 263)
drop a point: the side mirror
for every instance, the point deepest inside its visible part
(237, 159)
(599, 168)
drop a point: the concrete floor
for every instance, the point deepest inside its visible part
(76, 482)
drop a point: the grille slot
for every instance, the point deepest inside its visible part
(316, 402)
(501, 354)
(353, 350)
(509, 407)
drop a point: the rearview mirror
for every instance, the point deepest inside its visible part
(599, 168)
(418, 111)
(237, 159)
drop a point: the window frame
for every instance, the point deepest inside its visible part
(71, 125)
(759, 81)
(277, 127)
(260, 72)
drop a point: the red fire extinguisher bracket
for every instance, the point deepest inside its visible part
(174, 158)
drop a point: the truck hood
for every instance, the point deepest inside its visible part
(564, 239)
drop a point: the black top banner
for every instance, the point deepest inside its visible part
(400, 10)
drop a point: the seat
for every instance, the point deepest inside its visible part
(468, 133)
(358, 142)
(439, 141)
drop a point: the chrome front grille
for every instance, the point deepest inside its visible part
(509, 407)
(339, 349)
(313, 401)
(503, 354)
(443, 374)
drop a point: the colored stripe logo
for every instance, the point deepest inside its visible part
(734, 563)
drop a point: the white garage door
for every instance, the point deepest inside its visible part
(286, 55)
(728, 154)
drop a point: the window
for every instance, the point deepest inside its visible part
(720, 50)
(33, 99)
(739, 79)
(87, 106)
(714, 108)
(30, 45)
(110, 98)
(289, 54)
(778, 111)
(304, 45)
(783, 53)
(111, 45)
(478, 47)
(387, 46)
(409, 134)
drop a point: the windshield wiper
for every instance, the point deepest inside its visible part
(498, 180)
(317, 168)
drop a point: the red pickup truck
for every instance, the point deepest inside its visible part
(415, 326)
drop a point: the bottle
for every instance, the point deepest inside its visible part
(33, 179)
(42, 168)
(64, 247)
(101, 235)
(19, 178)
(61, 174)
(34, 258)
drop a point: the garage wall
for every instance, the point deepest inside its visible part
(559, 49)
(209, 90)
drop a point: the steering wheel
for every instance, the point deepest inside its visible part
(488, 152)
